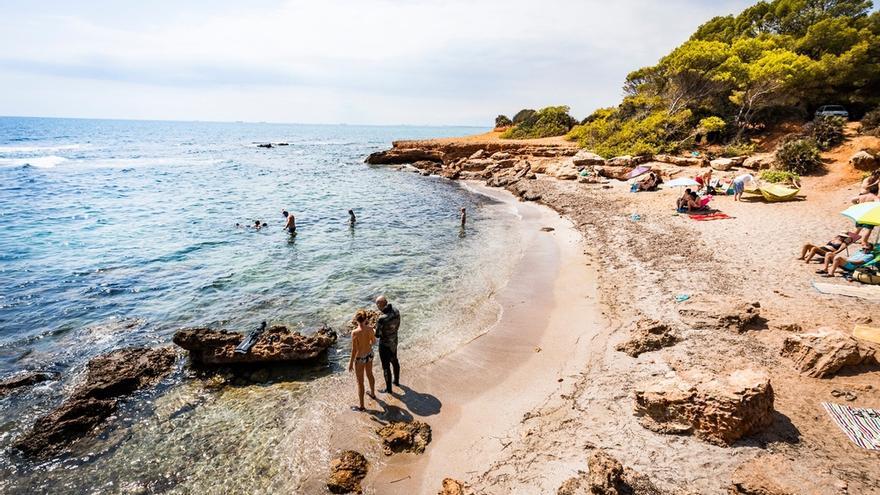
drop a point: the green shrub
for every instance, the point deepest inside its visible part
(547, 122)
(657, 132)
(799, 155)
(523, 115)
(503, 121)
(712, 124)
(871, 121)
(780, 176)
(828, 131)
(738, 149)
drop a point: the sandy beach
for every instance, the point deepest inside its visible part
(514, 428)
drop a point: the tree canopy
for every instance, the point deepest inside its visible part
(778, 58)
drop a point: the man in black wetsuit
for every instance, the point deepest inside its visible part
(386, 332)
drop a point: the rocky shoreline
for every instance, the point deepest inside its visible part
(749, 389)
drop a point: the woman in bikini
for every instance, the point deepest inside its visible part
(832, 247)
(362, 340)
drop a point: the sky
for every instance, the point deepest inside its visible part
(417, 62)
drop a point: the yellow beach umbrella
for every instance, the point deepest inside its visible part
(865, 213)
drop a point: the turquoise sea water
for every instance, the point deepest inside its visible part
(116, 233)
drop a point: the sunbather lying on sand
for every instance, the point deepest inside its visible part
(864, 255)
(831, 248)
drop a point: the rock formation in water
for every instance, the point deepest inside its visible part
(717, 409)
(823, 353)
(24, 379)
(108, 378)
(346, 472)
(405, 437)
(278, 344)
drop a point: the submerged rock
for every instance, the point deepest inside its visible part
(648, 335)
(346, 472)
(717, 409)
(400, 436)
(108, 378)
(278, 344)
(24, 379)
(823, 353)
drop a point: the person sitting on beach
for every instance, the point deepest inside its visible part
(739, 185)
(682, 203)
(361, 361)
(869, 181)
(290, 222)
(849, 264)
(831, 248)
(649, 183)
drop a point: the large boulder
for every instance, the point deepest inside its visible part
(346, 472)
(865, 160)
(648, 335)
(722, 164)
(823, 353)
(563, 170)
(760, 161)
(627, 161)
(399, 156)
(24, 379)
(721, 314)
(108, 378)
(399, 436)
(277, 344)
(717, 409)
(584, 158)
(682, 161)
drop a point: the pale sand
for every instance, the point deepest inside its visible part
(475, 397)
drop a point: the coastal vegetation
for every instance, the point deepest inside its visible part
(735, 77)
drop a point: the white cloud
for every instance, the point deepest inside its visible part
(383, 61)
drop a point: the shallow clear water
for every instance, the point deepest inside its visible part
(118, 233)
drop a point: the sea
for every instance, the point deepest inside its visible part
(118, 233)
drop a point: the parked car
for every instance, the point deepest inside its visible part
(832, 111)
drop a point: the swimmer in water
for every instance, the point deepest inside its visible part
(290, 223)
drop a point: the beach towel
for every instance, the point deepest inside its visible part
(864, 332)
(862, 426)
(869, 292)
(710, 216)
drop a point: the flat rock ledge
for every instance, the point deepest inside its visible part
(721, 314)
(607, 476)
(277, 344)
(109, 378)
(716, 409)
(346, 472)
(400, 436)
(648, 335)
(775, 474)
(823, 353)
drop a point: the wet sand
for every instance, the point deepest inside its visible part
(475, 397)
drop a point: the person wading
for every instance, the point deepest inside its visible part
(386, 332)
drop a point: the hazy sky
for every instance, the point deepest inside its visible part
(331, 61)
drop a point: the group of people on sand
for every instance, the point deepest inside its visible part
(834, 254)
(364, 337)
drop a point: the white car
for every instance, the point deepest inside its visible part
(832, 111)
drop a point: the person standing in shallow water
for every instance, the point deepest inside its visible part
(463, 217)
(386, 331)
(351, 218)
(290, 223)
(361, 361)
